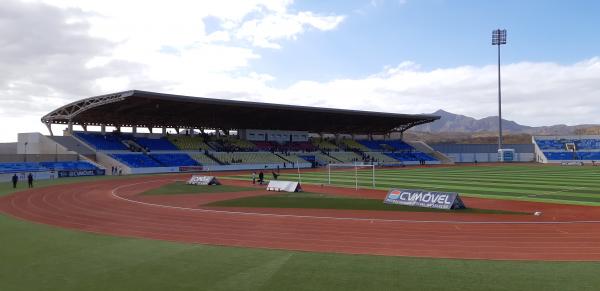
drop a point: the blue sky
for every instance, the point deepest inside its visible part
(434, 34)
(400, 56)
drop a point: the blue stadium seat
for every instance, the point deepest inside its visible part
(21, 167)
(580, 144)
(102, 142)
(45, 166)
(550, 145)
(136, 160)
(561, 155)
(175, 160)
(589, 155)
(410, 156)
(396, 145)
(397, 149)
(372, 144)
(399, 145)
(587, 144)
(155, 160)
(156, 144)
(556, 150)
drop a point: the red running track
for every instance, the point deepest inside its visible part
(563, 232)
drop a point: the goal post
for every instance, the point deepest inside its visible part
(355, 169)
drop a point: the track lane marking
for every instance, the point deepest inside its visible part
(116, 189)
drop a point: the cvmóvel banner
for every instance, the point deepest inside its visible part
(422, 198)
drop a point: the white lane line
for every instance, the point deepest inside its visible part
(568, 189)
(116, 189)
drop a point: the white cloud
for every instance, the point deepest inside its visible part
(533, 93)
(266, 31)
(87, 47)
(55, 51)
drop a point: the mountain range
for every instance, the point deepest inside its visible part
(455, 123)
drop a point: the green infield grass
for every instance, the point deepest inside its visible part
(321, 201)
(40, 257)
(180, 187)
(531, 182)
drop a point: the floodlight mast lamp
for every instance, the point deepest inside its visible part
(498, 39)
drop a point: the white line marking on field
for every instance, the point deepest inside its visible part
(114, 194)
(567, 190)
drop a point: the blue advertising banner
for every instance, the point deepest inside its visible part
(80, 173)
(422, 198)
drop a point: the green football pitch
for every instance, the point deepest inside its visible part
(41, 257)
(543, 183)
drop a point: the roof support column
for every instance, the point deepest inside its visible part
(84, 127)
(70, 127)
(103, 128)
(49, 126)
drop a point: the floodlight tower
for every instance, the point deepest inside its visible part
(498, 39)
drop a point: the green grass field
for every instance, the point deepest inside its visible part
(558, 184)
(320, 201)
(183, 188)
(40, 257)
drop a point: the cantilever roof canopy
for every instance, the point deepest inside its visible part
(155, 110)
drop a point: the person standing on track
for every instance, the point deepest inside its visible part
(261, 177)
(253, 178)
(30, 180)
(15, 179)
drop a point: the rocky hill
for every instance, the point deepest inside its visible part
(451, 122)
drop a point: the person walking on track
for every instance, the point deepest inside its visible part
(15, 179)
(30, 180)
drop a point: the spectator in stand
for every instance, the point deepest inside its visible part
(15, 180)
(30, 180)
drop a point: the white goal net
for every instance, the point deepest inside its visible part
(355, 174)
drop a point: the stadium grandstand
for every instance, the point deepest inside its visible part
(135, 132)
(567, 149)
